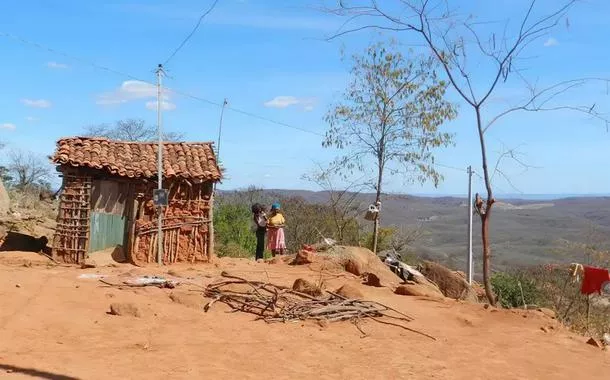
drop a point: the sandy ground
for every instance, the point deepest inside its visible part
(55, 325)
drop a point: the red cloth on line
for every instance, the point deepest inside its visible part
(593, 280)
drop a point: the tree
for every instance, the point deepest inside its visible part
(391, 113)
(343, 203)
(130, 130)
(455, 42)
(27, 170)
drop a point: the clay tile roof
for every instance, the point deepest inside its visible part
(139, 160)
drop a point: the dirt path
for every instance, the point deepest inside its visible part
(55, 326)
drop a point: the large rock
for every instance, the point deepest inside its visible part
(450, 283)
(418, 290)
(350, 291)
(5, 201)
(358, 261)
(303, 286)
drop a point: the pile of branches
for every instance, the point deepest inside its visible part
(273, 303)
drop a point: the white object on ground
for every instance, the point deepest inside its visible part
(92, 276)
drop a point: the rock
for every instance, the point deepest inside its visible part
(594, 343)
(303, 286)
(304, 257)
(544, 329)
(17, 285)
(418, 291)
(371, 279)
(349, 291)
(354, 267)
(125, 309)
(88, 263)
(548, 312)
(450, 283)
(191, 300)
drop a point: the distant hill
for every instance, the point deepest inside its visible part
(523, 232)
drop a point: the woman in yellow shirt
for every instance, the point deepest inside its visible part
(275, 231)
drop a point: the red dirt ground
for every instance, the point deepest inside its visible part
(55, 326)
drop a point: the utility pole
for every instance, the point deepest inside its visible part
(159, 73)
(469, 269)
(222, 112)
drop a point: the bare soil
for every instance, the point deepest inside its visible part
(55, 325)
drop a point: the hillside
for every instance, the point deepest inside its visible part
(524, 232)
(54, 313)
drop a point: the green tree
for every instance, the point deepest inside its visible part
(391, 114)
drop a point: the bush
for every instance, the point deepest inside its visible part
(233, 250)
(513, 289)
(233, 227)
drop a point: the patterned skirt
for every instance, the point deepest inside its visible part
(275, 239)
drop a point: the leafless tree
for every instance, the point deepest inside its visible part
(343, 201)
(28, 170)
(130, 130)
(476, 63)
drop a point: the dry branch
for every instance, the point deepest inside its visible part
(273, 303)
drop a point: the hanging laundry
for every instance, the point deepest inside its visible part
(593, 280)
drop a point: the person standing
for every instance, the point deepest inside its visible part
(260, 222)
(275, 227)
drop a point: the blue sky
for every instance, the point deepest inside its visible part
(269, 58)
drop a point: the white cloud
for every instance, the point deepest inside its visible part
(282, 102)
(287, 101)
(57, 65)
(165, 106)
(132, 90)
(31, 119)
(36, 103)
(551, 42)
(10, 126)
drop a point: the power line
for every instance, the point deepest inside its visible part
(188, 37)
(126, 75)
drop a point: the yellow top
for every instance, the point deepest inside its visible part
(276, 220)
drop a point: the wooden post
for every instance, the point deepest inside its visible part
(211, 228)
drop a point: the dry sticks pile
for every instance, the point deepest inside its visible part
(273, 303)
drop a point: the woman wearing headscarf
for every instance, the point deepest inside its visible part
(275, 231)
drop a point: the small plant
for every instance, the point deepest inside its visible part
(515, 290)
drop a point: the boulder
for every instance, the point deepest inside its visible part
(303, 286)
(418, 290)
(304, 257)
(371, 279)
(451, 284)
(349, 291)
(358, 260)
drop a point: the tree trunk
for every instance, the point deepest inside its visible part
(376, 222)
(486, 215)
(487, 257)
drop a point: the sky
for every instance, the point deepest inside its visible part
(69, 64)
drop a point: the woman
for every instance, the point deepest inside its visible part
(275, 229)
(260, 222)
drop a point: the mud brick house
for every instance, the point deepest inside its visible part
(107, 200)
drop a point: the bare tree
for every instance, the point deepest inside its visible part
(28, 171)
(476, 65)
(391, 113)
(130, 130)
(343, 202)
